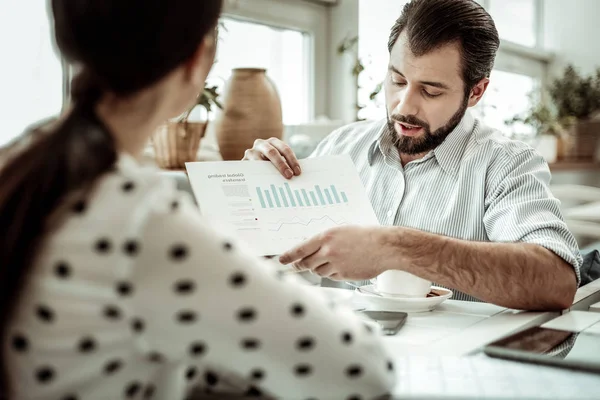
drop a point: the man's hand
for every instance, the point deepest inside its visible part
(276, 151)
(344, 253)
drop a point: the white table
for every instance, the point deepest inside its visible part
(458, 328)
(595, 307)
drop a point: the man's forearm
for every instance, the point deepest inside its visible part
(515, 275)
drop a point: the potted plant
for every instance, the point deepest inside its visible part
(177, 141)
(577, 101)
(547, 127)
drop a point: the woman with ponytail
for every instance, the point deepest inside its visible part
(111, 284)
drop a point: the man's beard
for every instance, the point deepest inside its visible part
(428, 141)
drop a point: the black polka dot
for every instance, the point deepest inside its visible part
(20, 343)
(186, 317)
(70, 397)
(87, 345)
(103, 246)
(132, 389)
(185, 286)
(149, 391)
(302, 370)
(156, 357)
(124, 288)
(178, 252)
(238, 279)
(305, 344)
(297, 310)
(128, 186)
(131, 248)
(354, 397)
(390, 366)
(191, 373)
(211, 378)
(253, 392)
(347, 338)
(174, 205)
(79, 207)
(354, 371)
(250, 344)
(62, 270)
(197, 349)
(112, 312)
(137, 325)
(44, 374)
(112, 366)
(257, 374)
(246, 314)
(227, 246)
(44, 313)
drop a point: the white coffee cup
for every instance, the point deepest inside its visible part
(400, 283)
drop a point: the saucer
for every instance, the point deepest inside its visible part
(407, 304)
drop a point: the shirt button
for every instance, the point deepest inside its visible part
(390, 213)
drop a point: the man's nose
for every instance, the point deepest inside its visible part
(408, 103)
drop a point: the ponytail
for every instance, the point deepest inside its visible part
(35, 183)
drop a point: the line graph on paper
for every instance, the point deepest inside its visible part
(321, 222)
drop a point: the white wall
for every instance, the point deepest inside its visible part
(572, 32)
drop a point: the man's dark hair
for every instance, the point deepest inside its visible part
(430, 24)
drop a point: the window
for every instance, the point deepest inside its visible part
(31, 73)
(516, 20)
(508, 94)
(284, 53)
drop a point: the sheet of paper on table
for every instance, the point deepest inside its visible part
(273, 214)
(480, 377)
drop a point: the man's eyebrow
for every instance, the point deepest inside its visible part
(439, 85)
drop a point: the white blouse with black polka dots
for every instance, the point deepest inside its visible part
(136, 296)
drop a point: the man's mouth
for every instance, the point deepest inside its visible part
(407, 129)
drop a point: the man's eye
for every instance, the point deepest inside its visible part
(432, 95)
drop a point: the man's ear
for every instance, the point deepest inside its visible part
(478, 91)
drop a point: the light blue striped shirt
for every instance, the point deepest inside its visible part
(477, 185)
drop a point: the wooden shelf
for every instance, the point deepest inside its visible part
(575, 166)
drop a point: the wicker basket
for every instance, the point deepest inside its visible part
(176, 143)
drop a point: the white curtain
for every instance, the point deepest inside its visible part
(30, 71)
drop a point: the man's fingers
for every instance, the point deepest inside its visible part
(301, 251)
(272, 154)
(251, 154)
(287, 153)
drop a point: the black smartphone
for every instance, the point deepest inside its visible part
(390, 321)
(572, 350)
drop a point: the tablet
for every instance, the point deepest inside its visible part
(573, 350)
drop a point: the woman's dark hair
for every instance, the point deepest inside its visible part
(430, 24)
(120, 46)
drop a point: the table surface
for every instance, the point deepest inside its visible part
(438, 354)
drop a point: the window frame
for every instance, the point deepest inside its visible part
(310, 18)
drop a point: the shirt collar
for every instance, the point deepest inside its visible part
(448, 154)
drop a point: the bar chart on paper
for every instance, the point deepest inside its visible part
(273, 214)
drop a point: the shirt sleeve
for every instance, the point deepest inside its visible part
(519, 207)
(230, 317)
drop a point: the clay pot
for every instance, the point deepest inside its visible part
(582, 140)
(251, 110)
(176, 143)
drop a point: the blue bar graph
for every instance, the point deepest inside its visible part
(335, 195)
(305, 197)
(285, 202)
(297, 193)
(286, 196)
(260, 197)
(328, 196)
(268, 195)
(275, 195)
(289, 192)
(314, 198)
(318, 189)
